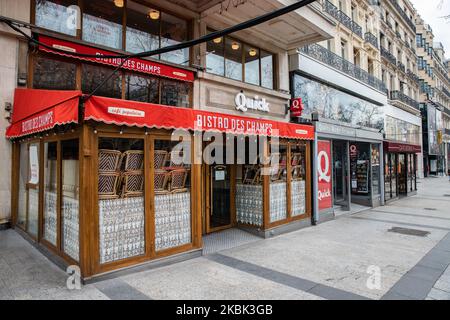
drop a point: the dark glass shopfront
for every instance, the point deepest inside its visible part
(400, 169)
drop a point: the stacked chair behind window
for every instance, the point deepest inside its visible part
(120, 174)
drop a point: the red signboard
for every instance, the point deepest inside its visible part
(324, 174)
(133, 64)
(131, 113)
(296, 107)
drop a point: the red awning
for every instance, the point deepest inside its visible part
(134, 64)
(130, 113)
(396, 147)
(40, 110)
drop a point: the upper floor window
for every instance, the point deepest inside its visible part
(102, 23)
(117, 24)
(150, 29)
(243, 62)
(57, 15)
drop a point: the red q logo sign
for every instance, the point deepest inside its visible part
(324, 166)
(296, 107)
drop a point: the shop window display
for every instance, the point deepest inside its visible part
(50, 193)
(376, 169)
(298, 183)
(121, 199)
(70, 167)
(172, 183)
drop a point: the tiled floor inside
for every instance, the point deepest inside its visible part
(227, 239)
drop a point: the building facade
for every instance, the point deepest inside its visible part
(339, 82)
(13, 68)
(403, 143)
(84, 154)
(434, 99)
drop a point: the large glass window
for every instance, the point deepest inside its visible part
(267, 74)
(278, 182)
(298, 174)
(360, 157)
(226, 57)
(336, 105)
(174, 31)
(141, 88)
(33, 190)
(51, 193)
(175, 93)
(233, 59)
(57, 15)
(172, 182)
(215, 59)
(70, 172)
(252, 71)
(121, 199)
(23, 185)
(102, 23)
(143, 28)
(92, 76)
(54, 74)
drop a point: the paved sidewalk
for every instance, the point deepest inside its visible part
(408, 242)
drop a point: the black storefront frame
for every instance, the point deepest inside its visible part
(410, 174)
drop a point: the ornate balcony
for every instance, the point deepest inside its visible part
(400, 96)
(403, 14)
(401, 66)
(389, 56)
(370, 38)
(342, 18)
(447, 93)
(412, 76)
(324, 55)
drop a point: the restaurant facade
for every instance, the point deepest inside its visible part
(118, 164)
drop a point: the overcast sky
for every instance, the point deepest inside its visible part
(432, 11)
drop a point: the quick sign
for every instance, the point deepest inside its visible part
(244, 103)
(296, 107)
(324, 174)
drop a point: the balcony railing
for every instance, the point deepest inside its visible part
(447, 93)
(342, 18)
(400, 96)
(324, 55)
(370, 38)
(398, 35)
(401, 66)
(403, 14)
(412, 76)
(389, 56)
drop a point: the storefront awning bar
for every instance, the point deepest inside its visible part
(396, 147)
(146, 115)
(132, 64)
(41, 110)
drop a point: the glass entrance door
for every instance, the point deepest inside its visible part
(340, 173)
(402, 174)
(220, 209)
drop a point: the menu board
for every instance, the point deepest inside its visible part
(360, 176)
